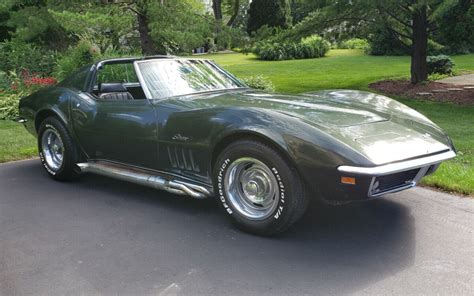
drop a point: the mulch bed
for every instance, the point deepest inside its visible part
(433, 91)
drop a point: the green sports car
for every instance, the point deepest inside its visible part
(189, 127)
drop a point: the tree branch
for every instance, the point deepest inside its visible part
(406, 24)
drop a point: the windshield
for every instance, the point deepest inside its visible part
(168, 78)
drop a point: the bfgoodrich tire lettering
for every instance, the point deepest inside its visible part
(258, 188)
(63, 166)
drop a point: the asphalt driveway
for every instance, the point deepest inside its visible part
(101, 236)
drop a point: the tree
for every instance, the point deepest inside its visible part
(179, 26)
(274, 13)
(140, 9)
(106, 26)
(167, 26)
(410, 22)
(30, 21)
(455, 27)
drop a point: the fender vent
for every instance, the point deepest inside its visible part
(182, 158)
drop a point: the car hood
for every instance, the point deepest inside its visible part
(381, 129)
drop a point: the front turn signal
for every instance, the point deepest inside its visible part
(348, 180)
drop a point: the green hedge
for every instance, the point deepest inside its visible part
(354, 43)
(440, 64)
(307, 48)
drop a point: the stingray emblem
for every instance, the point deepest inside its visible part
(179, 137)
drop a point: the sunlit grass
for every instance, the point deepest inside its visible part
(15, 142)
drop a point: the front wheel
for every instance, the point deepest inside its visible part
(57, 151)
(259, 189)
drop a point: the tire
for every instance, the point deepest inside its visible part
(57, 150)
(258, 188)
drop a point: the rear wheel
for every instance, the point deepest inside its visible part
(57, 151)
(259, 189)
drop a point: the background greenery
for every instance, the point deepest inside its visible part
(42, 41)
(340, 69)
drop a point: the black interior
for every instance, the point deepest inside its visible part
(119, 91)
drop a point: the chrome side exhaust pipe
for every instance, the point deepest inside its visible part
(143, 178)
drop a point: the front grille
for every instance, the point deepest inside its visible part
(389, 182)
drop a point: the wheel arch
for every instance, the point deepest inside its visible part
(45, 113)
(277, 142)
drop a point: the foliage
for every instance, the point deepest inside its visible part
(437, 76)
(109, 26)
(354, 43)
(440, 64)
(30, 21)
(16, 55)
(9, 105)
(259, 82)
(19, 85)
(455, 27)
(274, 13)
(179, 26)
(382, 42)
(82, 54)
(434, 48)
(302, 8)
(4, 81)
(266, 33)
(230, 37)
(310, 47)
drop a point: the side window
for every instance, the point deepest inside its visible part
(117, 73)
(118, 82)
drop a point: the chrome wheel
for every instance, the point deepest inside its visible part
(53, 149)
(251, 188)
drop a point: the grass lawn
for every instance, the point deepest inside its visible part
(15, 142)
(348, 69)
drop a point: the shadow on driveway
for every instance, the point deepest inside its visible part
(99, 235)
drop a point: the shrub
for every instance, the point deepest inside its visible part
(82, 54)
(18, 56)
(9, 105)
(4, 81)
(310, 47)
(354, 43)
(259, 82)
(19, 85)
(440, 64)
(316, 46)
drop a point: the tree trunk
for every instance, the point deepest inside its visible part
(419, 69)
(217, 9)
(146, 43)
(235, 14)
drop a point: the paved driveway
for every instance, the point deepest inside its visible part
(101, 236)
(467, 79)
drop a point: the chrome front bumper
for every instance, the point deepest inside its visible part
(396, 167)
(407, 173)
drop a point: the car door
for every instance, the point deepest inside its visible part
(118, 130)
